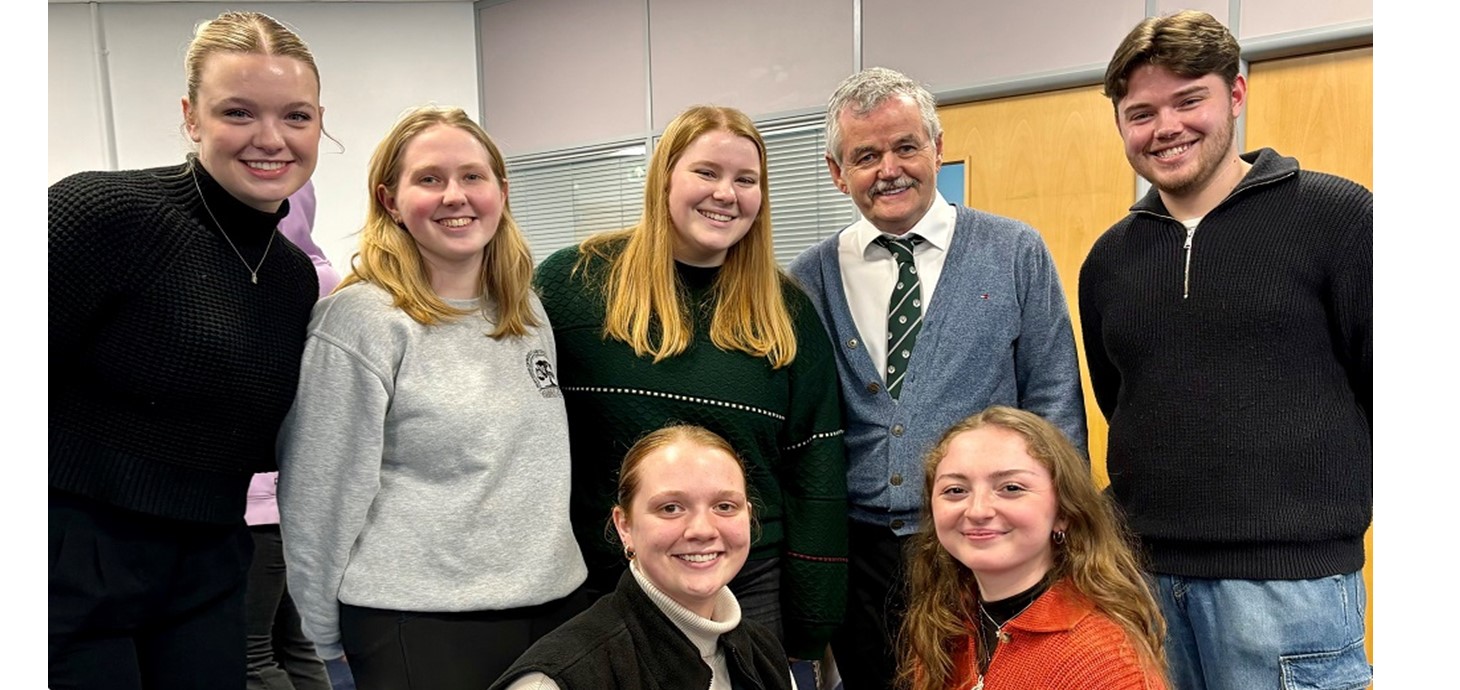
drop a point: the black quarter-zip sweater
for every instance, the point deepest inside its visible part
(1240, 394)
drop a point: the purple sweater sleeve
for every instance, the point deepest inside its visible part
(262, 508)
(297, 226)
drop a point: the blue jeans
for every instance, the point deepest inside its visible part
(1254, 634)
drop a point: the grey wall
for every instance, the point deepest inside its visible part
(563, 73)
(551, 74)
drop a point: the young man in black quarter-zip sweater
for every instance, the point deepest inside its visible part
(1228, 327)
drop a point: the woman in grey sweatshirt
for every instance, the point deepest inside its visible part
(424, 467)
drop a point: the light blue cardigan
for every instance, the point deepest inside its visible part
(997, 333)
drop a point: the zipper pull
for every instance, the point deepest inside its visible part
(1186, 273)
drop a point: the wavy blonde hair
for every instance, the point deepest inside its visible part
(389, 257)
(1098, 557)
(645, 307)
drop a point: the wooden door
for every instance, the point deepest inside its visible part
(1320, 110)
(1053, 160)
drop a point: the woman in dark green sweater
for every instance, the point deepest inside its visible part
(686, 318)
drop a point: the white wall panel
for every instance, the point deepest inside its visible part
(74, 131)
(376, 59)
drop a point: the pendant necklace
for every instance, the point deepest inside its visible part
(253, 271)
(1000, 637)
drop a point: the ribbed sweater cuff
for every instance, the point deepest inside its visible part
(1275, 561)
(80, 466)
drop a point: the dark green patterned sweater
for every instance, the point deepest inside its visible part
(785, 423)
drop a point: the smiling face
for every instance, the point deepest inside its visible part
(888, 165)
(994, 509)
(448, 198)
(714, 196)
(1179, 133)
(688, 521)
(256, 120)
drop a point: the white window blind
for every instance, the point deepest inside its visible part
(560, 198)
(805, 205)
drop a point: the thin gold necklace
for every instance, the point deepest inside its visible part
(253, 272)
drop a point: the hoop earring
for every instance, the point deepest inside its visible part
(629, 553)
(1059, 537)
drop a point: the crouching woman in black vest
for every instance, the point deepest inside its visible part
(684, 519)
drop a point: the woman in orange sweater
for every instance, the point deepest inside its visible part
(1022, 575)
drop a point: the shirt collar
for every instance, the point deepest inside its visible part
(935, 227)
(1060, 608)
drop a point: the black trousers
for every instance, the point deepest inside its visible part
(407, 650)
(864, 647)
(280, 657)
(138, 601)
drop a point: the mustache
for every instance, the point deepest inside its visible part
(892, 185)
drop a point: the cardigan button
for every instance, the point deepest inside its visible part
(896, 429)
(896, 524)
(896, 480)
(874, 388)
(852, 343)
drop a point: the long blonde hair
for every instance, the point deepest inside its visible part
(644, 305)
(1098, 557)
(389, 257)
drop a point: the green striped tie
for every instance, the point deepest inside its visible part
(904, 310)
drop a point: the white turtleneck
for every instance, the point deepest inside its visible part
(703, 632)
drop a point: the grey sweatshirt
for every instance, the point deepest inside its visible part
(423, 468)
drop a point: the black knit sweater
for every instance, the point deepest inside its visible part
(1240, 436)
(169, 370)
(785, 423)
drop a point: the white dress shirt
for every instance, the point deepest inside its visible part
(869, 272)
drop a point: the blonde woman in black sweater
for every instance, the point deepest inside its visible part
(177, 320)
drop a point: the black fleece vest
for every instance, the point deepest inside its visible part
(625, 641)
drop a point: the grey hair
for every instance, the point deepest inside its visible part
(864, 91)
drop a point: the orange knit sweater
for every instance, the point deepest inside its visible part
(1060, 643)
